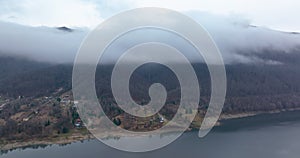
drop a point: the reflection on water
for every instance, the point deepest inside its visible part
(265, 136)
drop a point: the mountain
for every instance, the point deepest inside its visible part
(12, 66)
(250, 86)
(21, 77)
(261, 64)
(64, 28)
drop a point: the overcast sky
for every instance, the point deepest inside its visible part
(279, 15)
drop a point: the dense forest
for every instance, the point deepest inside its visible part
(249, 86)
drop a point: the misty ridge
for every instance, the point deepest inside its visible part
(238, 41)
(262, 65)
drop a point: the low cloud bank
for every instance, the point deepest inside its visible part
(40, 43)
(238, 41)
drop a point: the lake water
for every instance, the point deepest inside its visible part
(264, 136)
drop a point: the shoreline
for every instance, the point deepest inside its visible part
(77, 136)
(60, 140)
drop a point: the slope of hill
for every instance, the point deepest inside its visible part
(244, 81)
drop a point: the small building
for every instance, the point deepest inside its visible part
(20, 97)
(67, 101)
(26, 119)
(161, 120)
(66, 97)
(78, 123)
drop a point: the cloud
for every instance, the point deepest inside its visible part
(236, 37)
(280, 15)
(51, 12)
(39, 43)
(239, 42)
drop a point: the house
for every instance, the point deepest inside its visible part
(161, 120)
(67, 101)
(66, 97)
(78, 123)
(26, 119)
(20, 97)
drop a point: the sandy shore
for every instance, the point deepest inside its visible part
(250, 114)
(77, 136)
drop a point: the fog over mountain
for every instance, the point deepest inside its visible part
(44, 44)
(237, 39)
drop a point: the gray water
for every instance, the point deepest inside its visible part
(265, 136)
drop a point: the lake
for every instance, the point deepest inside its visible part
(262, 136)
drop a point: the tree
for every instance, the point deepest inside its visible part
(58, 99)
(47, 123)
(65, 130)
(117, 121)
